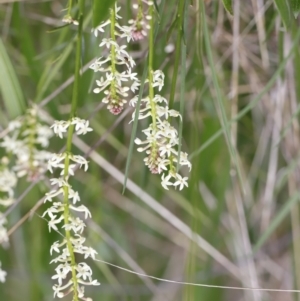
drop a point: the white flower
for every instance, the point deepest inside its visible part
(74, 196)
(60, 127)
(90, 252)
(165, 181)
(161, 144)
(55, 247)
(2, 275)
(80, 160)
(59, 181)
(14, 125)
(100, 27)
(113, 83)
(52, 211)
(60, 276)
(53, 193)
(55, 161)
(76, 225)
(81, 126)
(83, 209)
(166, 149)
(181, 182)
(52, 223)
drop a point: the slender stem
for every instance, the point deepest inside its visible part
(150, 65)
(31, 139)
(180, 15)
(75, 96)
(140, 15)
(70, 7)
(113, 50)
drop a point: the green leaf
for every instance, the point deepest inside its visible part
(171, 29)
(134, 127)
(57, 28)
(9, 85)
(182, 81)
(156, 6)
(53, 68)
(295, 4)
(101, 10)
(228, 6)
(284, 9)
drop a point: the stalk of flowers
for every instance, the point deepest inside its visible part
(8, 181)
(114, 83)
(161, 143)
(62, 213)
(26, 140)
(71, 275)
(68, 17)
(139, 25)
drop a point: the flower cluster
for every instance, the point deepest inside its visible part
(161, 142)
(61, 126)
(8, 181)
(69, 20)
(113, 82)
(26, 139)
(139, 26)
(60, 213)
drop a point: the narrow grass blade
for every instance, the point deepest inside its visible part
(284, 211)
(182, 81)
(284, 9)
(228, 6)
(224, 122)
(101, 10)
(57, 28)
(134, 127)
(135, 121)
(26, 44)
(171, 29)
(295, 4)
(179, 23)
(287, 128)
(51, 71)
(9, 85)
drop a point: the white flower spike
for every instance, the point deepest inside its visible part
(161, 143)
(115, 84)
(74, 226)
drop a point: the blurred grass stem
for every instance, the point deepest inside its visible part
(69, 148)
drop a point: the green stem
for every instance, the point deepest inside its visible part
(31, 122)
(180, 15)
(140, 15)
(150, 66)
(113, 50)
(70, 7)
(75, 96)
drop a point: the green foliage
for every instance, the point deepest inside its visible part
(295, 4)
(9, 85)
(228, 6)
(284, 8)
(101, 10)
